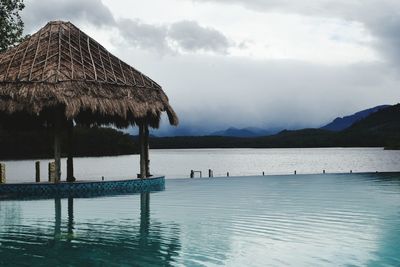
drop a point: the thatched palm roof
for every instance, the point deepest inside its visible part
(61, 66)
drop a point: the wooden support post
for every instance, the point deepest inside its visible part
(146, 150)
(142, 151)
(37, 171)
(192, 174)
(2, 173)
(52, 172)
(210, 173)
(70, 149)
(57, 150)
(227, 174)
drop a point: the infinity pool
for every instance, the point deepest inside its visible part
(302, 220)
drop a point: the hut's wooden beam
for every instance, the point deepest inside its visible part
(142, 150)
(146, 150)
(57, 151)
(70, 151)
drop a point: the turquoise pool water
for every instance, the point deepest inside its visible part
(302, 220)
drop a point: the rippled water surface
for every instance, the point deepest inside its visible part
(238, 162)
(293, 220)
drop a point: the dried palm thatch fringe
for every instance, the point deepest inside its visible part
(60, 66)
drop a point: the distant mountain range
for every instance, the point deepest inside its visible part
(379, 129)
(245, 132)
(340, 124)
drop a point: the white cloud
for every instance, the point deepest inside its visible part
(181, 36)
(249, 63)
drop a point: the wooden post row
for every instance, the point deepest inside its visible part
(37, 171)
(52, 172)
(2, 173)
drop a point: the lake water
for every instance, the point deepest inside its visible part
(276, 220)
(238, 162)
(286, 220)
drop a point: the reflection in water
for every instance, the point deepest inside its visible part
(302, 220)
(144, 214)
(70, 218)
(57, 219)
(101, 243)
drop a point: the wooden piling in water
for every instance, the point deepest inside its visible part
(2, 173)
(323, 171)
(210, 173)
(52, 172)
(144, 150)
(227, 174)
(57, 148)
(70, 152)
(263, 173)
(295, 172)
(191, 173)
(37, 171)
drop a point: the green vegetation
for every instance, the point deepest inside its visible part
(11, 25)
(381, 129)
(87, 142)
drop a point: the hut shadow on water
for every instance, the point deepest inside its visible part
(142, 242)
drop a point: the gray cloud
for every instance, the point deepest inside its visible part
(211, 93)
(182, 35)
(351, 10)
(381, 17)
(144, 36)
(39, 12)
(387, 30)
(190, 36)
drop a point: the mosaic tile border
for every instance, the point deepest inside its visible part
(80, 189)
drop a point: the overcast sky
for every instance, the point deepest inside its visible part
(259, 63)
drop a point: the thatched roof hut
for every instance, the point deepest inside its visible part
(61, 66)
(60, 74)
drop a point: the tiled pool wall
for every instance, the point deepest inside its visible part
(81, 189)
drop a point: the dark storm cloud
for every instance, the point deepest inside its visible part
(190, 36)
(39, 12)
(212, 92)
(183, 35)
(387, 30)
